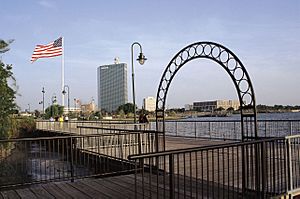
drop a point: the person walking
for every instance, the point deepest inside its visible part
(145, 118)
(61, 119)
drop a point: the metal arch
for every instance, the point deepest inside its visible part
(232, 65)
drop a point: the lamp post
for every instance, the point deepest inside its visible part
(75, 103)
(141, 58)
(64, 92)
(75, 111)
(43, 91)
(53, 100)
(29, 108)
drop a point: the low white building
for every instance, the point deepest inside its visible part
(72, 109)
(188, 107)
(212, 105)
(149, 104)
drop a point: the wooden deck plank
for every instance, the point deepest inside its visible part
(73, 192)
(131, 187)
(92, 193)
(41, 192)
(124, 187)
(182, 142)
(55, 191)
(123, 190)
(26, 193)
(10, 194)
(106, 192)
(189, 187)
(152, 192)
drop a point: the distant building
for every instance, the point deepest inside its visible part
(75, 109)
(188, 107)
(90, 107)
(209, 106)
(25, 114)
(149, 104)
(72, 109)
(112, 86)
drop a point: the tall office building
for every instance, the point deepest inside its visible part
(112, 86)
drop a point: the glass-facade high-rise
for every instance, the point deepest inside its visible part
(112, 86)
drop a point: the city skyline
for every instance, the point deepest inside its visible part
(264, 36)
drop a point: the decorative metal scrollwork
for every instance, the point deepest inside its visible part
(224, 57)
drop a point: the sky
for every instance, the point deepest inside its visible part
(264, 34)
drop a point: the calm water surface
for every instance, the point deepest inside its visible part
(269, 124)
(260, 116)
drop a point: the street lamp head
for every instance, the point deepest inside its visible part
(53, 98)
(141, 58)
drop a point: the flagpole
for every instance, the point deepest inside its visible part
(63, 73)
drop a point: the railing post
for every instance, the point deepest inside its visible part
(291, 127)
(266, 129)
(171, 175)
(139, 142)
(176, 130)
(243, 171)
(157, 137)
(209, 130)
(234, 130)
(257, 167)
(290, 167)
(72, 160)
(135, 179)
(263, 169)
(195, 127)
(142, 166)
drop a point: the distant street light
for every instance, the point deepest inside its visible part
(53, 100)
(43, 91)
(29, 108)
(64, 92)
(141, 58)
(75, 103)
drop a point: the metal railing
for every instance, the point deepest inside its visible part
(229, 129)
(33, 160)
(221, 129)
(144, 141)
(294, 162)
(236, 170)
(71, 126)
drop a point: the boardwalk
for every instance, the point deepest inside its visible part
(190, 167)
(183, 143)
(111, 187)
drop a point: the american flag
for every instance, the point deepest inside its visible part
(50, 50)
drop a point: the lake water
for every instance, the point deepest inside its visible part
(269, 124)
(260, 116)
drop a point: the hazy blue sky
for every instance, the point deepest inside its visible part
(265, 35)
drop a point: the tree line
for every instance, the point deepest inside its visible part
(276, 108)
(8, 91)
